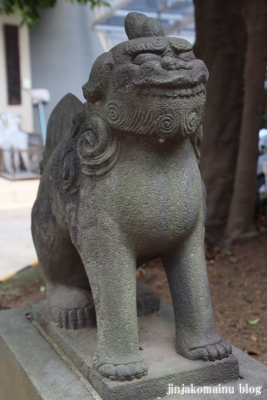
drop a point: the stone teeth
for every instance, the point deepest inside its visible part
(160, 92)
(202, 88)
(146, 92)
(169, 93)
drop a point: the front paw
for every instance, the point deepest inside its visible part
(209, 352)
(123, 372)
(120, 369)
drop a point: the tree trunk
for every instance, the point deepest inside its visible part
(240, 219)
(221, 43)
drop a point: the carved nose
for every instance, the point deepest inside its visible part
(171, 63)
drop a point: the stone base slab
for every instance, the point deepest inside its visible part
(31, 369)
(157, 341)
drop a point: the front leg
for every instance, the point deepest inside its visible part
(110, 267)
(196, 336)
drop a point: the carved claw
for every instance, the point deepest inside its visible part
(123, 372)
(120, 369)
(147, 300)
(73, 318)
(211, 352)
(148, 304)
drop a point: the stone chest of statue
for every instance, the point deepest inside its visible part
(120, 184)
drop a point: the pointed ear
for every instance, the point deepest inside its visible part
(196, 140)
(96, 87)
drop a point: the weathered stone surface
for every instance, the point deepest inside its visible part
(123, 184)
(30, 369)
(156, 339)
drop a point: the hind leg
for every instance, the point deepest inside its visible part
(147, 300)
(69, 298)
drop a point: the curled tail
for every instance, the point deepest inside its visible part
(59, 124)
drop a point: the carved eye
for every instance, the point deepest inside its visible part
(144, 57)
(187, 56)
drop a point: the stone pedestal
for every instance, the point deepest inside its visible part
(157, 341)
(39, 361)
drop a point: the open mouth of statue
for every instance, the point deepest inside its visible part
(172, 92)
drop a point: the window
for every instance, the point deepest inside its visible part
(11, 37)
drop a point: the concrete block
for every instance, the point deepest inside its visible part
(30, 369)
(53, 364)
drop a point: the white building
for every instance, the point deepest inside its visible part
(58, 54)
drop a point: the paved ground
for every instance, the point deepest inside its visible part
(16, 246)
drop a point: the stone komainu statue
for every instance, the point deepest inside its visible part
(121, 182)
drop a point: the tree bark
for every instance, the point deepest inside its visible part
(221, 43)
(240, 218)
